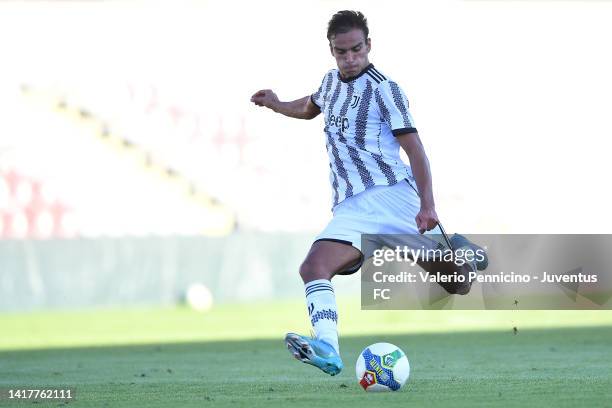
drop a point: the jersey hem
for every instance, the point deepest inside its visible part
(314, 103)
(403, 131)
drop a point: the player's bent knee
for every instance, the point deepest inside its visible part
(311, 270)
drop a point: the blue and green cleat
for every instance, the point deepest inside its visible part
(314, 352)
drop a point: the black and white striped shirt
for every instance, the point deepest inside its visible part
(362, 117)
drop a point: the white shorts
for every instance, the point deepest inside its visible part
(377, 210)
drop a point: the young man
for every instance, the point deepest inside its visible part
(373, 191)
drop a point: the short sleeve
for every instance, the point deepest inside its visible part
(393, 106)
(318, 98)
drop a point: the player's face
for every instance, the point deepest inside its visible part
(351, 51)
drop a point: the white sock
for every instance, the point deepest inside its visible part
(321, 303)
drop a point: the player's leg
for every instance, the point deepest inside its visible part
(459, 272)
(459, 244)
(449, 268)
(325, 259)
(403, 199)
(438, 265)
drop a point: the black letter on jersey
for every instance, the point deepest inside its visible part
(345, 124)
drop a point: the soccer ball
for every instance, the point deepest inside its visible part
(382, 367)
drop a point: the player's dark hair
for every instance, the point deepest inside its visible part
(345, 21)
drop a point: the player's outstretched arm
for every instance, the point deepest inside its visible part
(427, 218)
(302, 108)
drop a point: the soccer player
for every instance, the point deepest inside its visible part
(373, 192)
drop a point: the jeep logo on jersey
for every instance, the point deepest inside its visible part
(338, 121)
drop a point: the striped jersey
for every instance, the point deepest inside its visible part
(362, 117)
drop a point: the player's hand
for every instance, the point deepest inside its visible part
(265, 97)
(426, 219)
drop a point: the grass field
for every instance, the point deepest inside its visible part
(234, 356)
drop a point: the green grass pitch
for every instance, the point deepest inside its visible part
(234, 356)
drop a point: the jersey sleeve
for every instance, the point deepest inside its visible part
(393, 106)
(318, 97)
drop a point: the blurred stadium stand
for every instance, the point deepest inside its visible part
(262, 177)
(113, 186)
(30, 210)
(129, 160)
